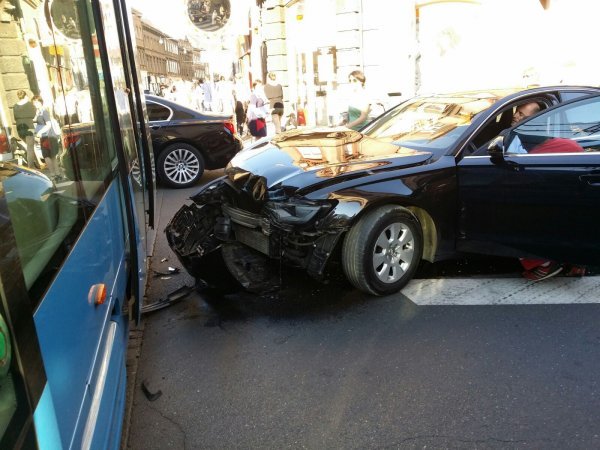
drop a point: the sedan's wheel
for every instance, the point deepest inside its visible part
(382, 250)
(180, 165)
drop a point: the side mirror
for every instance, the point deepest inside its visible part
(496, 147)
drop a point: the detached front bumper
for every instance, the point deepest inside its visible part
(190, 235)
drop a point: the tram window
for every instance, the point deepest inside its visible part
(55, 102)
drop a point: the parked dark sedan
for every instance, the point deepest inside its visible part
(186, 141)
(427, 180)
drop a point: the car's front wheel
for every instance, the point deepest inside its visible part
(382, 251)
(180, 165)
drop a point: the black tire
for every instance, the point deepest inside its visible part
(180, 165)
(383, 269)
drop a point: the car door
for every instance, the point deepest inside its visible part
(159, 118)
(538, 193)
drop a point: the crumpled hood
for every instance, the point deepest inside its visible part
(301, 158)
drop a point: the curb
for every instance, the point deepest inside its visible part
(134, 350)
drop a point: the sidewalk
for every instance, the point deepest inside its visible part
(136, 333)
(160, 257)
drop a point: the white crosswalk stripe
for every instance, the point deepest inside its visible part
(503, 291)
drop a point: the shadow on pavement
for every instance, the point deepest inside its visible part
(304, 298)
(300, 298)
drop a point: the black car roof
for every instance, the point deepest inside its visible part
(506, 92)
(179, 107)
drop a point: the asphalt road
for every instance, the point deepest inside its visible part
(323, 366)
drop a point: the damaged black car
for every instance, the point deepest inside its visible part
(428, 180)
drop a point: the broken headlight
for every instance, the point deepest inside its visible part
(297, 212)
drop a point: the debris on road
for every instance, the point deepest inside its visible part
(151, 396)
(170, 271)
(173, 297)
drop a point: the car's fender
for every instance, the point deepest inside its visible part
(411, 191)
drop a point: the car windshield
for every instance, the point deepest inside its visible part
(429, 123)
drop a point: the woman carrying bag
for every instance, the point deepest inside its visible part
(257, 111)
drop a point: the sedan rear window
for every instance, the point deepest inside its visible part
(157, 112)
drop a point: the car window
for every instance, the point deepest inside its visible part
(157, 112)
(499, 125)
(571, 127)
(572, 95)
(492, 129)
(180, 114)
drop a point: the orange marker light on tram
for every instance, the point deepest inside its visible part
(97, 294)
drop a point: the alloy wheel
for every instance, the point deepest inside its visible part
(393, 252)
(181, 166)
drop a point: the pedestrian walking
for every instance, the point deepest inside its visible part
(24, 112)
(226, 97)
(47, 130)
(198, 96)
(257, 111)
(274, 93)
(208, 94)
(241, 93)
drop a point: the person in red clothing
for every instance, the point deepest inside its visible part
(557, 145)
(540, 269)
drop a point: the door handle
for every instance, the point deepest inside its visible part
(155, 127)
(592, 180)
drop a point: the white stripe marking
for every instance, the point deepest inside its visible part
(503, 291)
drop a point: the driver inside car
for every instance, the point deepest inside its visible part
(521, 113)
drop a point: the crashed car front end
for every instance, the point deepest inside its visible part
(288, 201)
(253, 226)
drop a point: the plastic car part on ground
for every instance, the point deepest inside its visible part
(172, 298)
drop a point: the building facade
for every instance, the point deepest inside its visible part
(414, 47)
(165, 60)
(312, 45)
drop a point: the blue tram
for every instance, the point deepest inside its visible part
(75, 216)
